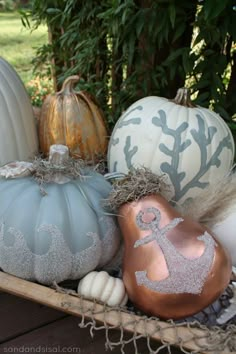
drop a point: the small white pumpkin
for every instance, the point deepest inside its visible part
(190, 144)
(104, 288)
(18, 133)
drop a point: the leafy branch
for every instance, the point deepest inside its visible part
(141, 48)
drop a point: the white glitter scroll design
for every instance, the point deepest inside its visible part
(57, 264)
(185, 275)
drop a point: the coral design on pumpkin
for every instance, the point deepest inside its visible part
(202, 138)
(185, 275)
(129, 153)
(134, 120)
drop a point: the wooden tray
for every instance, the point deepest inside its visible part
(191, 339)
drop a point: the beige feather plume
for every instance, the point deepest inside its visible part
(214, 203)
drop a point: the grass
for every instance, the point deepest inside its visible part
(18, 45)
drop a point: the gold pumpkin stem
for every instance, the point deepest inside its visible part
(183, 98)
(69, 83)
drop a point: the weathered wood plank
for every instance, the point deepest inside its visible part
(60, 337)
(18, 316)
(64, 336)
(72, 305)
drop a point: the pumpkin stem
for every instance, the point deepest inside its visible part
(68, 84)
(183, 98)
(60, 167)
(58, 154)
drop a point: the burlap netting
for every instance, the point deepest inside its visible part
(190, 336)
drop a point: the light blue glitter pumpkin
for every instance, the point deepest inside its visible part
(61, 234)
(191, 145)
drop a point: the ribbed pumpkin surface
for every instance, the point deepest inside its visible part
(18, 135)
(192, 146)
(72, 118)
(62, 235)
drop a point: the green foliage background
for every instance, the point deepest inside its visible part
(127, 49)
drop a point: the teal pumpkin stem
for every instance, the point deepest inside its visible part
(59, 168)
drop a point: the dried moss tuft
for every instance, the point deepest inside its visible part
(44, 171)
(136, 184)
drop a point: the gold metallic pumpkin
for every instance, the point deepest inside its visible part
(172, 266)
(72, 118)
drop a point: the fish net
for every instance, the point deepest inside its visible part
(197, 334)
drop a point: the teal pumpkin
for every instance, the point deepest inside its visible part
(61, 234)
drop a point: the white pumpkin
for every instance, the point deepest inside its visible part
(18, 134)
(104, 288)
(190, 144)
(225, 233)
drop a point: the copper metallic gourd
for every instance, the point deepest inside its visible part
(73, 118)
(173, 267)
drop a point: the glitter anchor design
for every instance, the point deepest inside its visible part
(185, 275)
